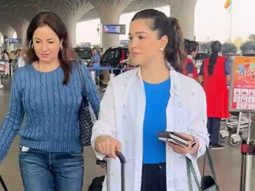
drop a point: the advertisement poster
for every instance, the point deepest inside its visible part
(242, 87)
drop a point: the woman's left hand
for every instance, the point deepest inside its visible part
(192, 148)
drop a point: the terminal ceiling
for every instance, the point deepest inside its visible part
(15, 14)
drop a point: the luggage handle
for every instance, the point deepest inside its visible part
(121, 157)
(123, 162)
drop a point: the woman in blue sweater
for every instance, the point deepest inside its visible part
(45, 98)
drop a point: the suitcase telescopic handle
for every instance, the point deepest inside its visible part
(123, 162)
(121, 157)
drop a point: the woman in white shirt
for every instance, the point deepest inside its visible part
(151, 98)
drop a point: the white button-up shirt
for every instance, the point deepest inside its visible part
(122, 114)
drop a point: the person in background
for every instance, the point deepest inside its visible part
(5, 55)
(48, 91)
(18, 61)
(189, 67)
(14, 61)
(101, 51)
(21, 58)
(95, 62)
(11, 56)
(95, 59)
(150, 98)
(214, 74)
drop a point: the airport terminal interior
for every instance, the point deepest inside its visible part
(227, 161)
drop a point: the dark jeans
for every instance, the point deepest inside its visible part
(213, 127)
(154, 177)
(45, 171)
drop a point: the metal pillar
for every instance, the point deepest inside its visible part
(248, 153)
(1, 85)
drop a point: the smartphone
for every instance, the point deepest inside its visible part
(168, 136)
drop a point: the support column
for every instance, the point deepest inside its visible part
(71, 14)
(183, 10)
(109, 12)
(1, 39)
(21, 30)
(7, 31)
(71, 28)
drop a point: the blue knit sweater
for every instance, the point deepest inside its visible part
(47, 108)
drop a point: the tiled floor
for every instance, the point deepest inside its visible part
(227, 162)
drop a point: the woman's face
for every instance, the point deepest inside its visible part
(144, 45)
(46, 44)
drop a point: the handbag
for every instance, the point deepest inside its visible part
(87, 116)
(208, 182)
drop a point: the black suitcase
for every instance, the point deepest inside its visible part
(97, 182)
(3, 184)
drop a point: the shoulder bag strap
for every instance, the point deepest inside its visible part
(191, 170)
(211, 164)
(3, 183)
(81, 74)
(84, 96)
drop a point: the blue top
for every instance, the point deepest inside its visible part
(50, 109)
(95, 59)
(157, 96)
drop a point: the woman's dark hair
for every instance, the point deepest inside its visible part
(216, 47)
(186, 45)
(66, 55)
(166, 26)
(191, 46)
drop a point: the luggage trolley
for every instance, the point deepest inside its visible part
(235, 125)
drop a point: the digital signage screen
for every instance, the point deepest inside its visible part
(114, 29)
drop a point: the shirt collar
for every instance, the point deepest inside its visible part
(175, 81)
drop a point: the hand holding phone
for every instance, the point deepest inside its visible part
(168, 136)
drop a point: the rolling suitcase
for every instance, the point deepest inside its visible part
(97, 182)
(3, 184)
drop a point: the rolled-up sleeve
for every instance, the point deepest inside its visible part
(198, 120)
(105, 125)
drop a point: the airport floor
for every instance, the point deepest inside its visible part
(227, 161)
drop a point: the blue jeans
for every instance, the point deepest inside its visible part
(46, 171)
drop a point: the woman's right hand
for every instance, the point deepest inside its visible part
(107, 145)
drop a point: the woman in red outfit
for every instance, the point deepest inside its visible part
(214, 73)
(189, 67)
